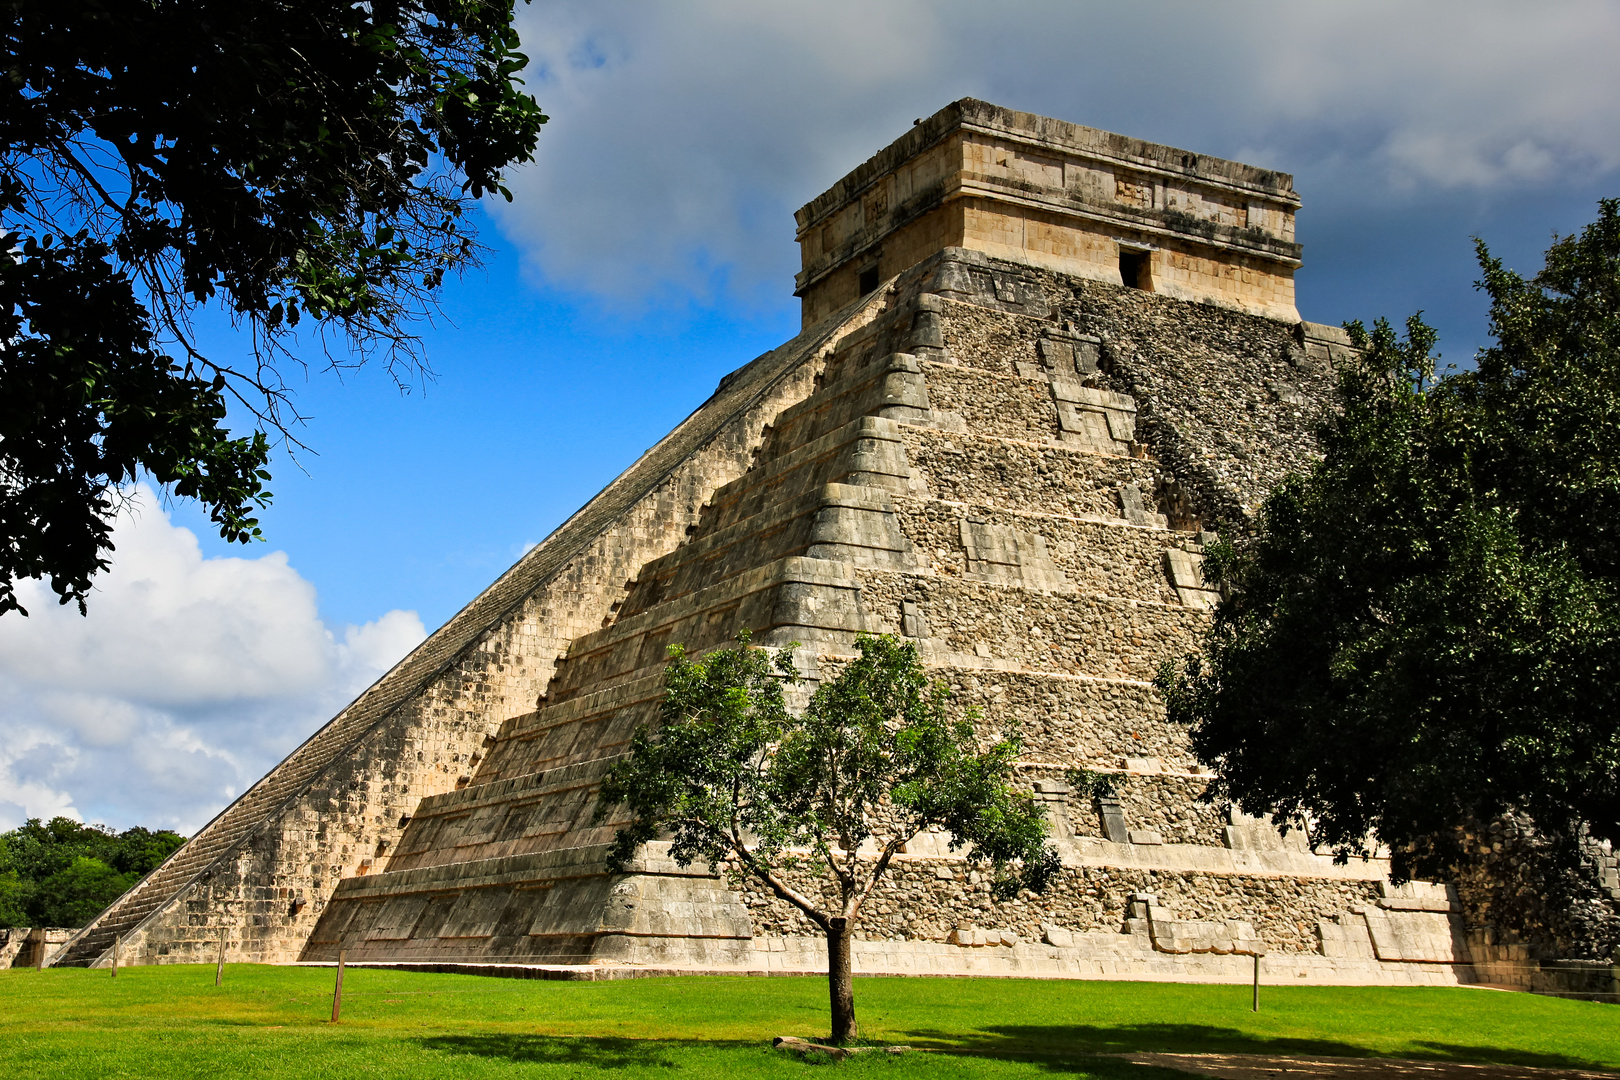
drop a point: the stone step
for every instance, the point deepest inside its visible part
(868, 450)
(156, 891)
(834, 521)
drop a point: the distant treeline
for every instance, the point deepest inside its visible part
(62, 873)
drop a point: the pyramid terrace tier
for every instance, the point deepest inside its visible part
(568, 747)
(561, 906)
(877, 455)
(821, 604)
(870, 528)
(1106, 557)
(1065, 720)
(558, 907)
(1025, 475)
(1009, 626)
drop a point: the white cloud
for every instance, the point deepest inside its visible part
(189, 678)
(683, 136)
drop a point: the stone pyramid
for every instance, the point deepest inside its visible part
(1039, 362)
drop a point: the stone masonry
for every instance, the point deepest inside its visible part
(1041, 192)
(1014, 459)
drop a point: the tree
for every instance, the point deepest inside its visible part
(62, 873)
(288, 161)
(13, 894)
(78, 892)
(1424, 630)
(816, 806)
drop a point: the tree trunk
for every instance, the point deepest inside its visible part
(841, 982)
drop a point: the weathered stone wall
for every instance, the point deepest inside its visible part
(926, 900)
(1229, 402)
(1085, 722)
(22, 946)
(1531, 901)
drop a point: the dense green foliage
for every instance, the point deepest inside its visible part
(270, 1023)
(62, 873)
(285, 161)
(1425, 629)
(833, 793)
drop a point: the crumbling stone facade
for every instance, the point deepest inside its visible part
(1014, 461)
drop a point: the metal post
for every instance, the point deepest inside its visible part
(1256, 983)
(118, 947)
(219, 968)
(337, 991)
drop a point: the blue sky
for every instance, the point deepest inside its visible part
(649, 250)
(539, 398)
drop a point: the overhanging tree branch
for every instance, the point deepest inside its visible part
(293, 161)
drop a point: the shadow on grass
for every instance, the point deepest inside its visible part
(596, 1052)
(1039, 1042)
(1497, 1056)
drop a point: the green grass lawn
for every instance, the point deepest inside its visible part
(272, 1022)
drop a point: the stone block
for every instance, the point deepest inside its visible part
(1113, 820)
(925, 331)
(1416, 936)
(1056, 355)
(1344, 937)
(1057, 936)
(1011, 556)
(912, 622)
(1247, 833)
(1418, 896)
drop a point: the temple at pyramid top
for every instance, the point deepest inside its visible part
(1072, 199)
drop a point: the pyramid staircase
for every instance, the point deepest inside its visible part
(215, 841)
(220, 838)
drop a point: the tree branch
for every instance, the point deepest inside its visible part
(892, 848)
(780, 887)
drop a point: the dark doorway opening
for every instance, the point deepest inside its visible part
(1135, 268)
(869, 279)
